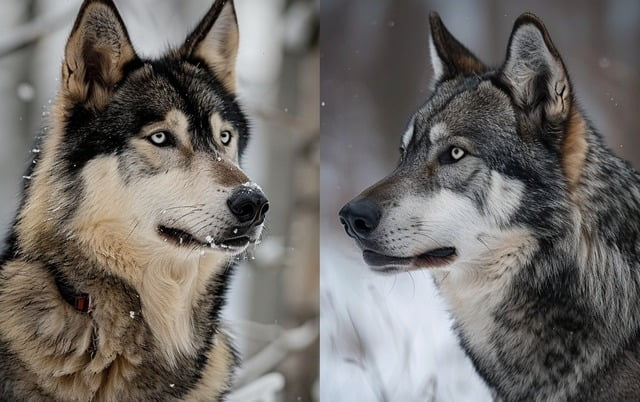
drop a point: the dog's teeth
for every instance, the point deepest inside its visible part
(235, 230)
(132, 314)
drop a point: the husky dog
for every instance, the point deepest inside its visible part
(119, 258)
(529, 224)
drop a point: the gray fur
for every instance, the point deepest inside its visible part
(544, 287)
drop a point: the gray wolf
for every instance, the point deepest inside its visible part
(134, 211)
(529, 225)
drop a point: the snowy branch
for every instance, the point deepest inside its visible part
(288, 340)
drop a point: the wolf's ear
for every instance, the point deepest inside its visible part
(534, 70)
(97, 51)
(215, 41)
(449, 58)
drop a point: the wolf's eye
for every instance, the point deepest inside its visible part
(225, 137)
(457, 153)
(160, 139)
(452, 155)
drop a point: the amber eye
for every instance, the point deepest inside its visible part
(451, 155)
(225, 137)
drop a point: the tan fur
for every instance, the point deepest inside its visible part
(574, 150)
(118, 231)
(58, 351)
(88, 40)
(220, 47)
(40, 212)
(215, 377)
(218, 125)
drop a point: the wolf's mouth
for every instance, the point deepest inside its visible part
(182, 238)
(432, 259)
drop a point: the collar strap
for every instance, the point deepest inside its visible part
(82, 302)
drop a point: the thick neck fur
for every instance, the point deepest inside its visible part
(157, 335)
(154, 317)
(545, 318)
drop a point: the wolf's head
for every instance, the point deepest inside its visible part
(142, 155)
(489, 159)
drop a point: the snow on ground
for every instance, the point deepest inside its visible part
(387, 338)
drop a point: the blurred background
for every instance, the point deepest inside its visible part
(388, 338)
(273, 305)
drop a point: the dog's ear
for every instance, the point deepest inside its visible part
(534, 70)
(449, 58)
(97, 51)
(215, 41)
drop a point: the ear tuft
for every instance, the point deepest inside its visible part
(215, 41)
(534, 70)
(449, 58)
(96, 53)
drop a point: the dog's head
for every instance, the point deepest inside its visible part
(492, 153)
(147, 151)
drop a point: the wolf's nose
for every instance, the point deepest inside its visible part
(360, 217)
(248, 204)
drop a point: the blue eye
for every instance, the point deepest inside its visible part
(225, 137)
(161, 139)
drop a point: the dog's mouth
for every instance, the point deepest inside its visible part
(435, 258)
(181, 238)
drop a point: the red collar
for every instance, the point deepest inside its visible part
(82, 302)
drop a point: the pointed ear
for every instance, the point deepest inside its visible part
(215, 41)
(449, 58)
(96, 54)
(534, 70)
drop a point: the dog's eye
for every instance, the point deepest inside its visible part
(452, 155)
(160, 139)
(225, 137)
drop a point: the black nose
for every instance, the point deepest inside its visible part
(248, 204)
(360, 217)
